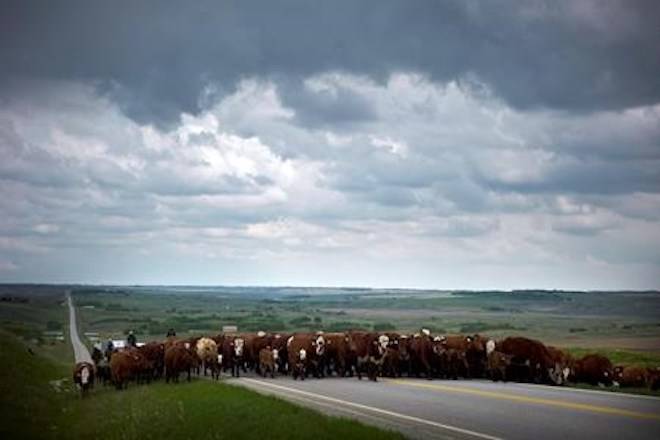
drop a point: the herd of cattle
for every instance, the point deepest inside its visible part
(358, 353)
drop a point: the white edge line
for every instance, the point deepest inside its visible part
(588, 391)
(376, 410)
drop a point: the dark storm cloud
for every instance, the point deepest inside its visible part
(156, 57)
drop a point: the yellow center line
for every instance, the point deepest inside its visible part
(526, 399)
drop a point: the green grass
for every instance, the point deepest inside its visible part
(32, 407)
(207, 410)
(29, 404)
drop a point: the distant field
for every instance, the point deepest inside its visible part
(626, 320)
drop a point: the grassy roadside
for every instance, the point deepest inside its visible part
(36, 403)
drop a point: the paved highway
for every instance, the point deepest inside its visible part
(474, 409)
(80, 352)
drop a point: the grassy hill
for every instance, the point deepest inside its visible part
(34, 404)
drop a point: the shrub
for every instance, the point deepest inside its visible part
(384, 327)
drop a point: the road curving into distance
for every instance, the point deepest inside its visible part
(80, 352)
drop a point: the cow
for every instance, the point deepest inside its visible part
(404, 355)
(392, 362)
(233, 355)
(630, 376)
(370, 350)
(594, 369)
(298, 348)
(306, 352)
(337, 354)
(83, 376)
(653, 378)
(421, 354)
(279, 344)
(318, 359)
(530, 361)
(154, 353)
(268, 361)
(179, 358)
(124, 366)
(207, 352)
(472, 348)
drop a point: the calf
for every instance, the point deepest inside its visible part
(268, 361)
(497, 365)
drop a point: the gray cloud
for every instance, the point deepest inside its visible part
(451, 143)
(567, 55)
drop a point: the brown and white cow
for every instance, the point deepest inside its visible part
(279, 344)
(594, 369)
(306, 353)
(83, 376)
(530, 361)
(631, 376)
(299, 349)
(563, 362)
(370, 350)
(233, 354)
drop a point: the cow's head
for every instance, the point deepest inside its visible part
(239, 344)
(219, 359)
(302, 354)
(490, 347)
(84, 375)
(319, 343)
(186, 345)
(618, 372)
(276, 354)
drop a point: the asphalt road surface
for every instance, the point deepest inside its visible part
(80, 352)
(474, 409)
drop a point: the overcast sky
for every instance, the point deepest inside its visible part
(437, 144)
